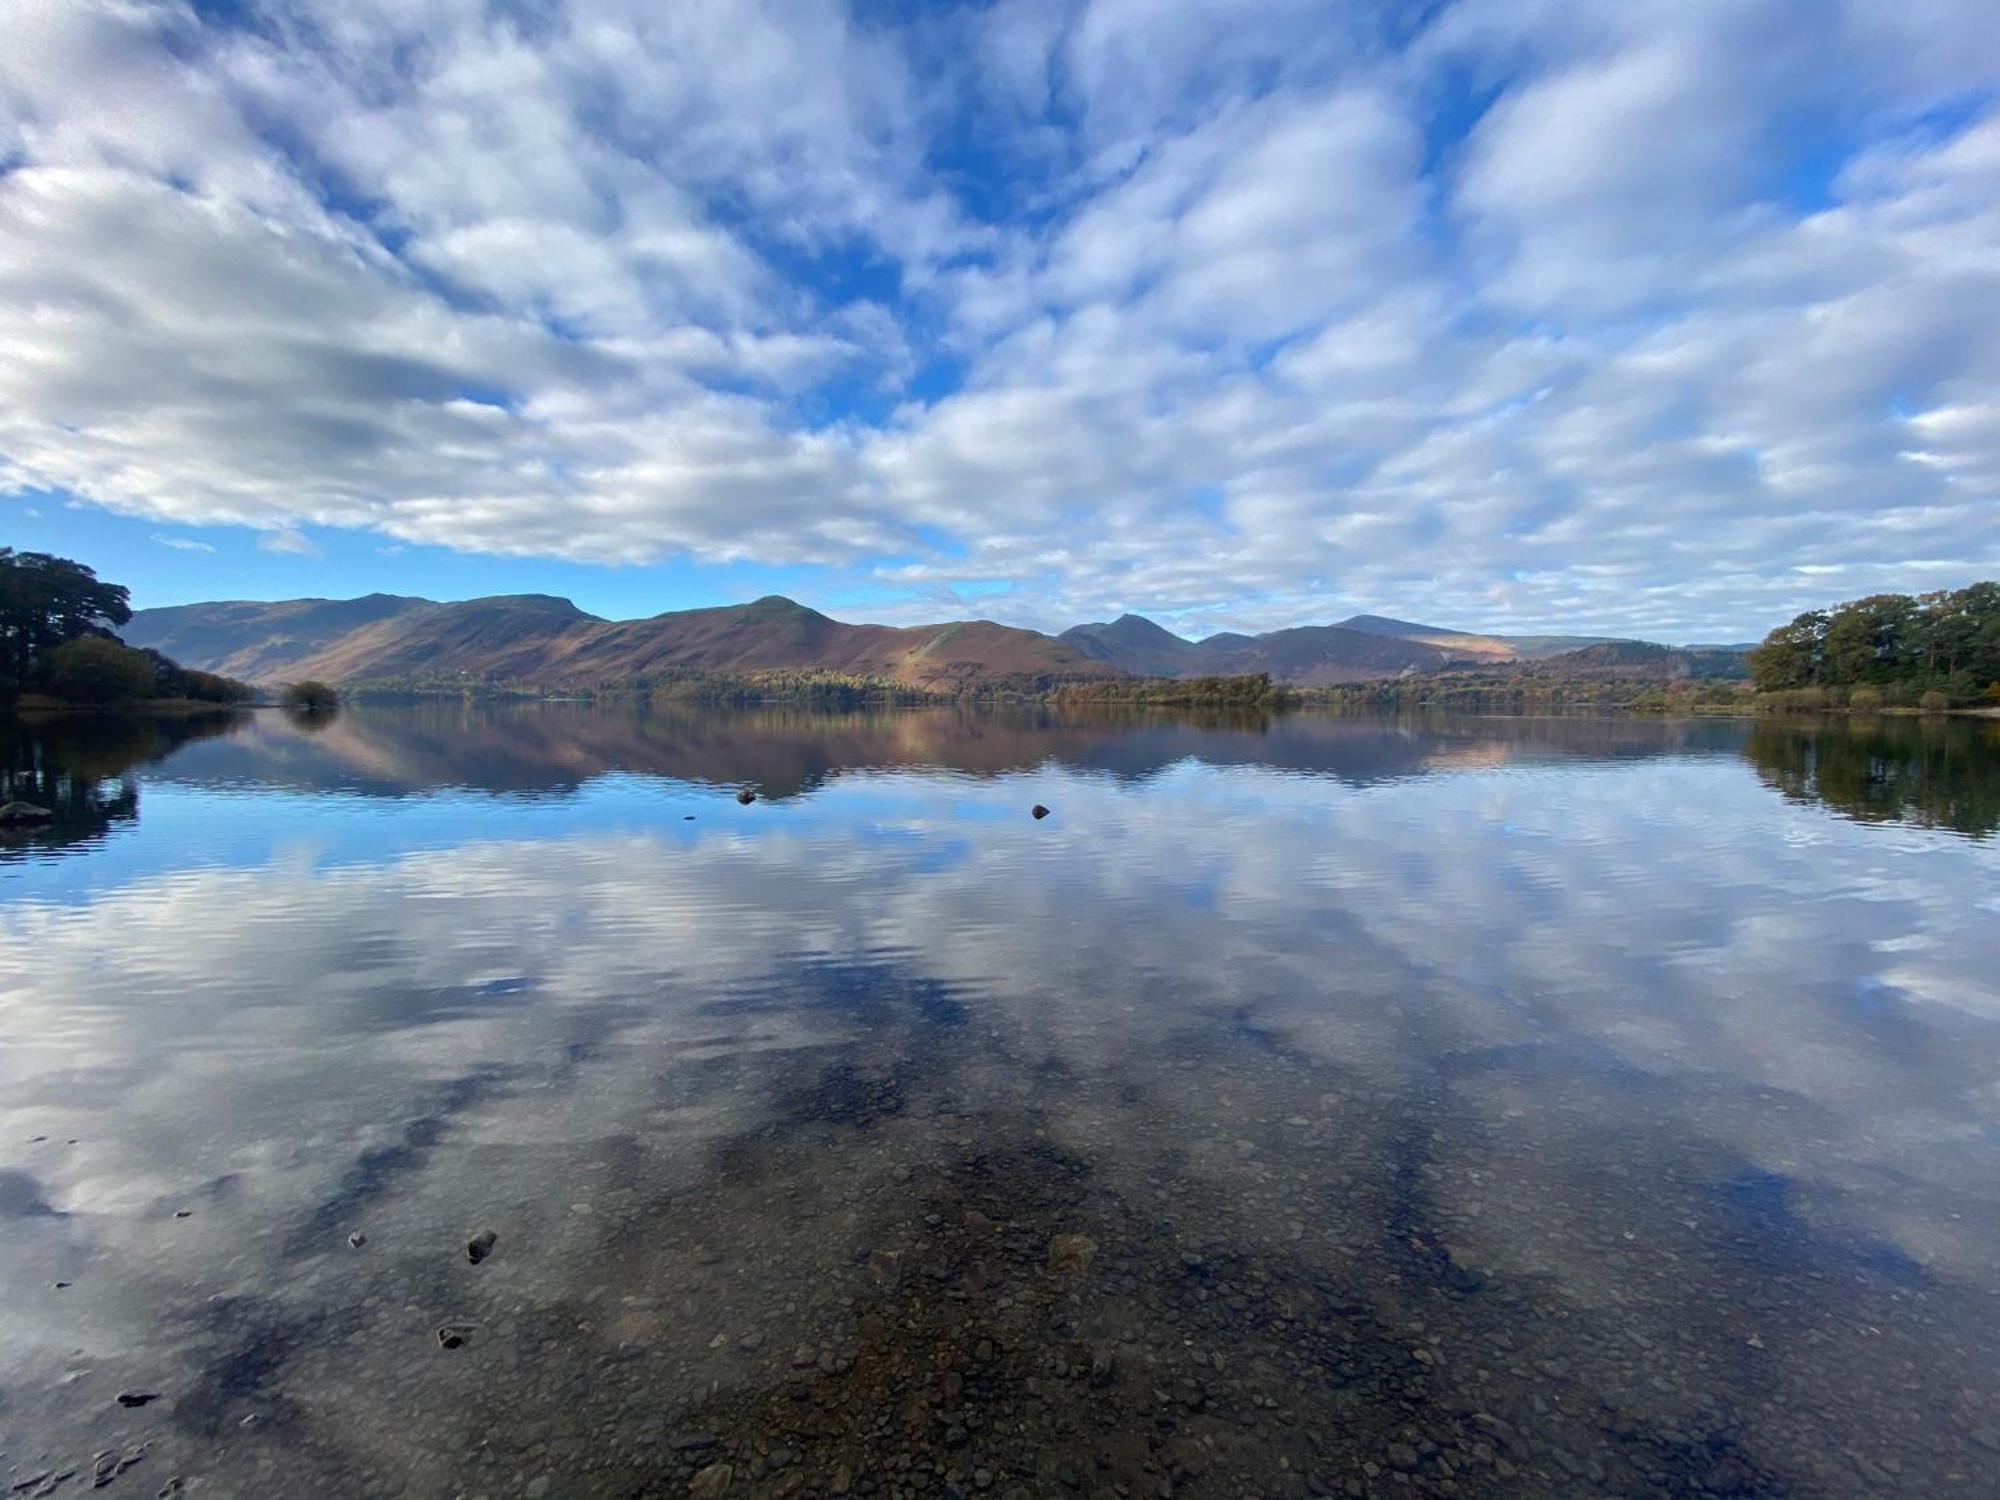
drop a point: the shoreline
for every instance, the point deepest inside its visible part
(144, 708)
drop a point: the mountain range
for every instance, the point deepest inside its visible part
(549, 642)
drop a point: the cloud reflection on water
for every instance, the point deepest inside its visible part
(1600, 969)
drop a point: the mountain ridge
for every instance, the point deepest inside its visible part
(546, 640)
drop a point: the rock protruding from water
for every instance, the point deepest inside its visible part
(23, 814)
(746, 796)
(480, 1245)
(1038, 812)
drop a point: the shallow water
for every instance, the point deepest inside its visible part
(1311, 1106)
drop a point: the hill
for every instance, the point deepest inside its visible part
(1462, 643)
(257, 641)
(1135, 644)
(547, 642)
(1307, 654)
(1644, 660)
(1359, 649)
(551, 643)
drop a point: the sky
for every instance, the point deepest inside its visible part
(1658, 317)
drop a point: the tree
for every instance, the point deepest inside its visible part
(176, 681)
(94, 669)
(1873, 640)
(1792, 656)
(310, 697)
(1899, 647)
(47, 600)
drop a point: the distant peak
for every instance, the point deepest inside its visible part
(1126, 625)
(553, 604)
(778, 604)
(1383, 625)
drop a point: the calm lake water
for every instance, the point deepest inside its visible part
(1316, 1106)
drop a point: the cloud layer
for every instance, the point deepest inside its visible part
(1667, 317)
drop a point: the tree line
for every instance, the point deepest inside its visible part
(1932, 650)
(58, 623)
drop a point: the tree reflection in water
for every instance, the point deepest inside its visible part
(1936, 774)
(77, 765)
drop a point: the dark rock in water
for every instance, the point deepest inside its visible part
(137, 1398)
(1038, 812)
(21, 814)
(183, 1213)
(452, 1335)
(480, 1246)
(356, 1240)
(746, 796)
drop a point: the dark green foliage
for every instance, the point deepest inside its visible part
(96, 669)
(176, 681)
(310, 697)
(45, 601)
(1889, 649)
(1254, 690)
(55, 639)
(822, 689)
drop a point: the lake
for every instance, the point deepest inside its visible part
(1314, 1105)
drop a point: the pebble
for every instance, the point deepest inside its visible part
(711, 1481)
(480, 1246)
(1071, 1254)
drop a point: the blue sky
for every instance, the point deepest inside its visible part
(1668, 317)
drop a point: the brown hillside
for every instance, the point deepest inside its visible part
(550, 643)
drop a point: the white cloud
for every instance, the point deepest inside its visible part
(288, 544)
(1530, 315)
(183, 543)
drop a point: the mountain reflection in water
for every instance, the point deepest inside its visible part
(1314, 1105)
